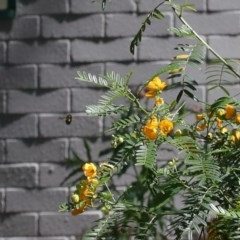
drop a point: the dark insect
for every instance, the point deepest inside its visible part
(68, 119)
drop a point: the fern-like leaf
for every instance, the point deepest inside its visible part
(146, 154)
(126, 122)
(104, 110)
(138, 37)
(88, 77)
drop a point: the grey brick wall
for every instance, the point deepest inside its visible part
(40, 51)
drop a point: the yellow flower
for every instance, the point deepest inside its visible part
(149, 132)
(159, 101)
(165, 126)
(154, 87)
(237, 119)
(219, 123)
(150, 129)
(224, 130)
(221, 113)
(93, 181)
(200, 116)
(230, 111)
(86, 194)
(201, 126)
(90, 170)
(235, 136)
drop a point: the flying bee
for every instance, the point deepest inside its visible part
(68, 119)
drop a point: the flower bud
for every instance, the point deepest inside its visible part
(75, 198)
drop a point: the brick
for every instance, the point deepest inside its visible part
(18, 225)
(114, 50)
(3, 50)
(2, 101)
(51, 224)
(226, 46)
(36, 150)
(2, 200)
(221, 5)
(125, 25)
(2, 152)
(20, 28)
(18, 175)
(215, 23)
(21, 200)
(125, 179)
(72, 27)
(81, 97)
(18, 77)
(35, 52)
(81, 126)
(147, 6)
(54, 76)
(42, 7)
(92, 7)
(18, 126)
(52, 175)
(160, 48)
(96, 146)
(37, 101)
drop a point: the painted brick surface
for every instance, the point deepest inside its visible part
(52, 175)
(89, 51)
(92, 7)
(36, 150)
(84, 96)
(35, 52)
(2, 101)
(64, 224)
(224, 45)
(41, 50)
(21, 200)
(81, 126)
(32, 101)
(19, 175)
(96, 145)
(18, 126)
(18, 225)
(20, 28)
(54, 76)
(216, 23)
(72, 27)
(2, 200)
(2, 152)
(219, 5)
(3, 49)
(19, 77)
(26, 7)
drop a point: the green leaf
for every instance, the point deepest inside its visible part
(146, 154)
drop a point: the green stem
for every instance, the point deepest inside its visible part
(204, 42)
(135, 100)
